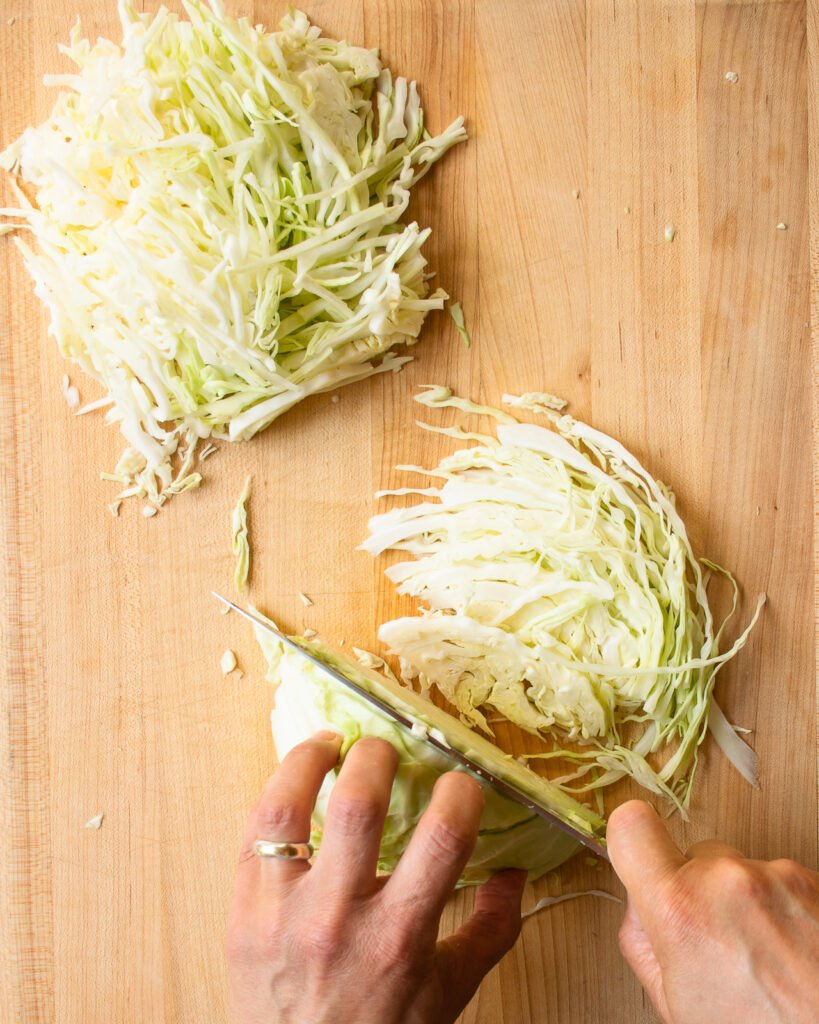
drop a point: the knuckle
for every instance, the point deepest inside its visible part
(737, 878)
(304, 751)
(796, 878)
(323, 943)
(506, 927)
(445, 842)
(463, 785)
(395, 947)
(354, 815)
(275, 819)
(685, 906)
(786, 869)
(375, 745)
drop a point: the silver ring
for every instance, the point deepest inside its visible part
(282, 851)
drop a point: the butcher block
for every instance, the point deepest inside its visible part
(628, 227)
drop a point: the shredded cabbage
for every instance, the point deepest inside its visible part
(559, 588)
(368, 659)
(308, 699)
(551, 901)
(535, 401)
(239, 542)
(457, 314)
(217, 220)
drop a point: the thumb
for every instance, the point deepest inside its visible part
(638, 953)
(467, 955)
(644, 857)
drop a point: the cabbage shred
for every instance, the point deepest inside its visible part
(559, 588)
(239, 543)
(218, 229)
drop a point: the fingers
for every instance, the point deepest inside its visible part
(471, 952)
(639, 955)
(709, 848)
(495, 923)
(643, 855)
(355, 817)
(439, 849)
(284, 809)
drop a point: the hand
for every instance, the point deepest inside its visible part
(331, 942)
(712, 936)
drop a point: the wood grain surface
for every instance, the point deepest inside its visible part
(594, 125)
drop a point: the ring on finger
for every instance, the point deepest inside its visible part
(282, 850)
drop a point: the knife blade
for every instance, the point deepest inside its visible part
(504, 787)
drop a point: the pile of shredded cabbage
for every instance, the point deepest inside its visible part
(559, 588)
(217, 224)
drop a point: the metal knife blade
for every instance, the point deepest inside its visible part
(501, 785)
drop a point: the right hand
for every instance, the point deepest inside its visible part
(712, 936)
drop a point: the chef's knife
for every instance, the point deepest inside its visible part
(432, 735)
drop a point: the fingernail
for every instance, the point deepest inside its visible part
(328, 735)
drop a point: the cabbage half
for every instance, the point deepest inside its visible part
(558, 588)
(307, 699)
(218, 226)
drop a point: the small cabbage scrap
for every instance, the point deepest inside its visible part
(309, 699)
(558, 587)
(552, 901)
(457, 314)
(239, 542)
(227, 663)
(217, 216)
(70, 393)
(370, 660)
(535, 401)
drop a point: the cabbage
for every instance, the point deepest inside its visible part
(558, 587)
(457, 314)
(552, 901)
(239, 544)
(218, 228)
(307, 699)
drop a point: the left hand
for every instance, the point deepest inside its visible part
(331, 941)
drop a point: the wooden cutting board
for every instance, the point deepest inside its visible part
(593, 126)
